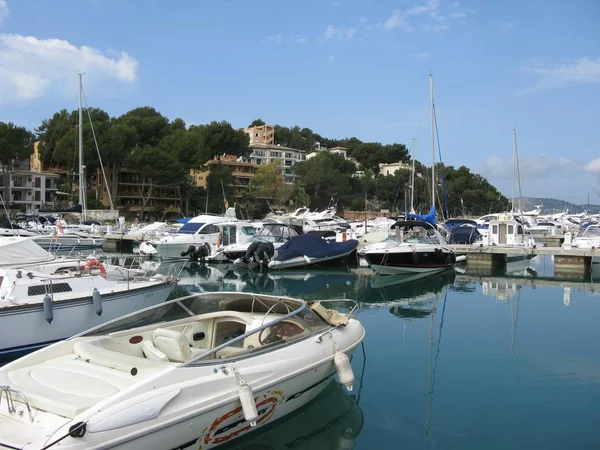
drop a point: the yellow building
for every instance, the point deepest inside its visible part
(241, 173)
(262, 134)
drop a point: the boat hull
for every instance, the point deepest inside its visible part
(205, 410)
(24, 328)
(394, 262)
(305, 261)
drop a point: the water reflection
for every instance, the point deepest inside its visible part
(333, 421)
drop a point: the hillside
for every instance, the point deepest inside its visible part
(551, 205)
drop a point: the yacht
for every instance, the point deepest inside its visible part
(415, 246)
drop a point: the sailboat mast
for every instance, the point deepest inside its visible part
(518, 175)
(514, 170)
(412, 177)
(80, 126)
(432, 142)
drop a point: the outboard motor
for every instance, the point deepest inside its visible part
(259, 253)
(197, 253)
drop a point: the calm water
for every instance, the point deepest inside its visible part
(453, 361)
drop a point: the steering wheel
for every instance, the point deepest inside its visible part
(272, 336)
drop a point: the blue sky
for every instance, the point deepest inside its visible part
(340, 67)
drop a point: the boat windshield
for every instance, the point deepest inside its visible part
(274, 233)
(190, 228)
(589, 231)
(416, 235)
(194, 305)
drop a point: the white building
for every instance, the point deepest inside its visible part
(24, 187)
(287, 157)
(392, 168)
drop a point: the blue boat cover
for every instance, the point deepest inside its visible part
(429, 218)
(183, 220)
(313, 247)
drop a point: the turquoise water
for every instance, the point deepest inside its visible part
(453, 361)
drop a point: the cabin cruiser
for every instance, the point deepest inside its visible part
(204, 231)
(510, 233)
(415, 246)
(37, 308)
(196, 372)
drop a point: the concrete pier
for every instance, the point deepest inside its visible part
(487, 261)
(571, 266)
(121, 243)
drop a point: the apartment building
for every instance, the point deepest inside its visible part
(166, 199)
(241, 173)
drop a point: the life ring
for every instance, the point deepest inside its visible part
(95, 264)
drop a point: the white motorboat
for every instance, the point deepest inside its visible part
(37, 308)
(416, 247)
(588, 236)
(202, 236)
(192, 372)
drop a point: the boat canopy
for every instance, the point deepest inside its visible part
(429, 217)
(15, 249)
(313, 247)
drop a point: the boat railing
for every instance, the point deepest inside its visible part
(203, 358)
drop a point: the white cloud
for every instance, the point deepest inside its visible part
(340, 34)
(330, 58)
(301, 40)
(536, 166)
(275, 39)
(3, 10)
(578, 70)
(426, 16)
(593, 165)
(30, 67)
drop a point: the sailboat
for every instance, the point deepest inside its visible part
(417, 246)
(63, 237)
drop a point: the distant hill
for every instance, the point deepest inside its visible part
(552, 205)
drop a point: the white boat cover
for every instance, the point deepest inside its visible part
(22, 250)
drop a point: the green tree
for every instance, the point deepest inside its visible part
(219, 180)
(268, 182)
(257, 123)
(15, 143)
(218, 138)
(152, 168)
(150, 125)
(186, 146)
(325, 177)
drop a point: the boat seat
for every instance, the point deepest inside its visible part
(151, 352)
(175, 345)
